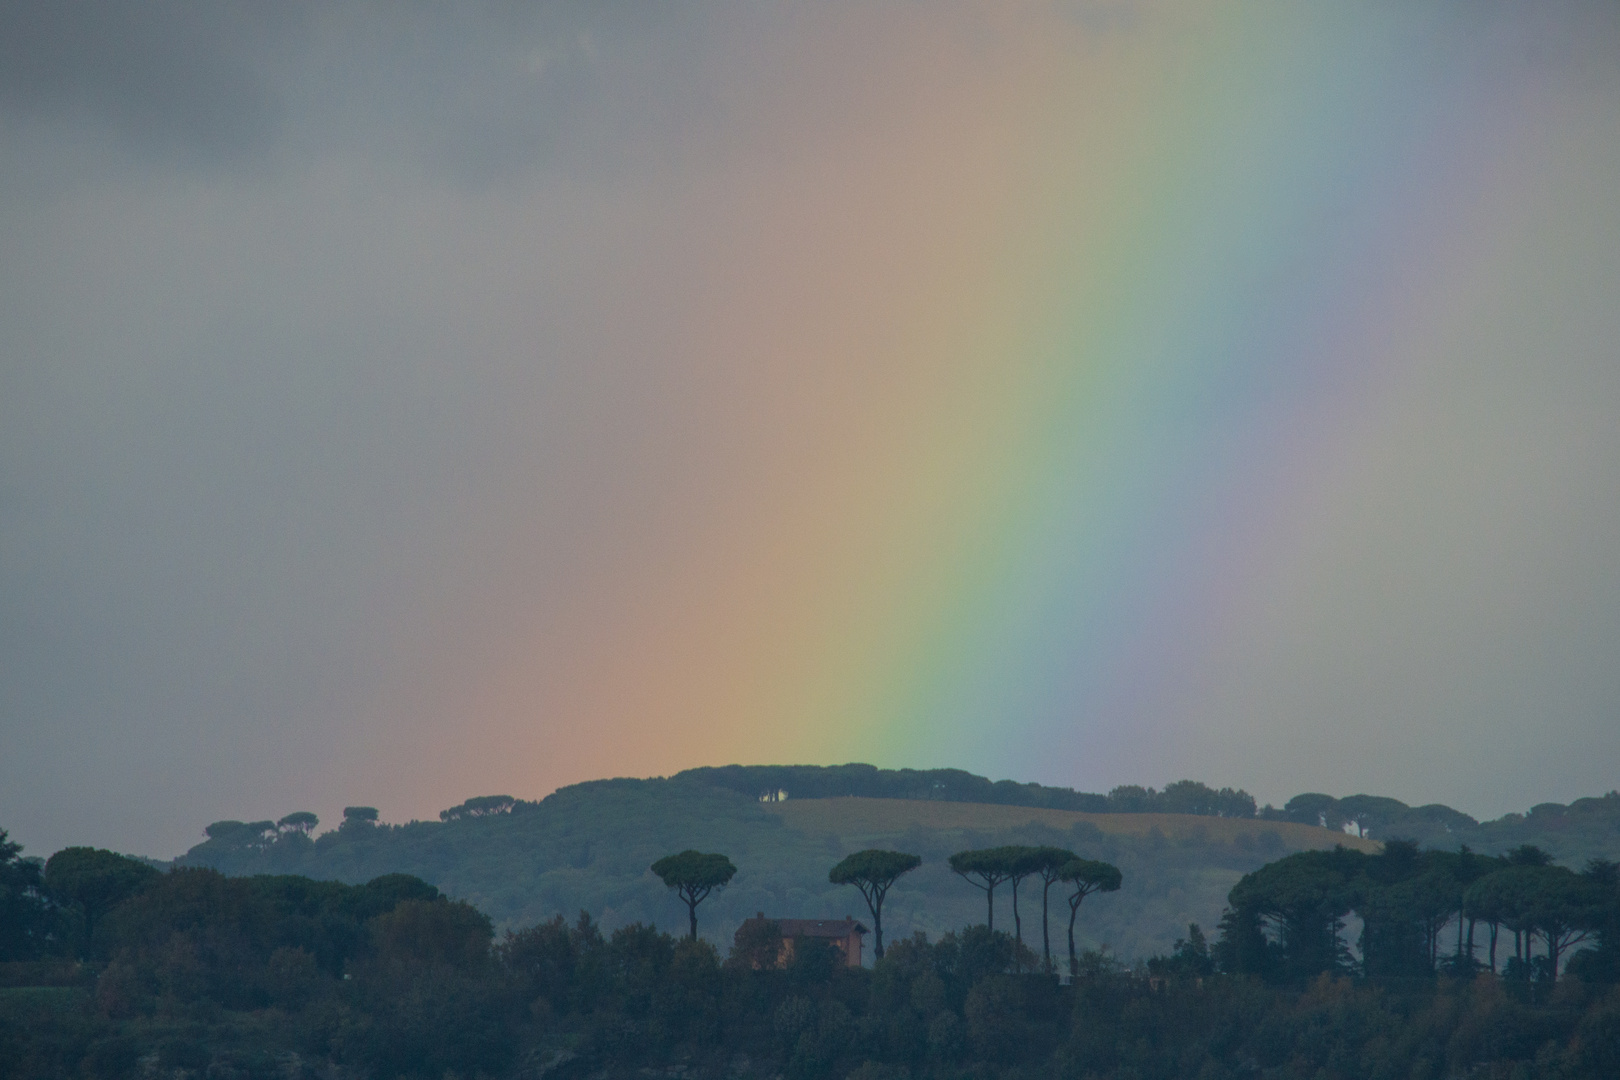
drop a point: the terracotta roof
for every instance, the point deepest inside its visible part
(819, 928)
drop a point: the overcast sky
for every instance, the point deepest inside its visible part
(388, 393)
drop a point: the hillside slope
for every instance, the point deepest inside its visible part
(589, 846)
(868, 822)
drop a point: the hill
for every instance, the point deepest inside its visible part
(875, 822)
(589, 847)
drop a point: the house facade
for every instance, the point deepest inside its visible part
(844, 935)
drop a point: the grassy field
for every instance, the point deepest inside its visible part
(857, 821)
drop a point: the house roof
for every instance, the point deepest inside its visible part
(816, 928)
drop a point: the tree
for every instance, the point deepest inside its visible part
(1020, 862)
(1304, 897)
(25, 912)
(241, 835)
(872, 871)
(482, 806)
(1565, 909)
(438, 933)
(1189, 959)
(1602, 964)
(1369, 813)
(1087, 876)
(694, 875)
(990, 867)
(301, 821)
(1049, 863)
(1501, 898)
(1405, 897)
(95, 881)
(1314, 808)
(1192, 797)
(1401, 921)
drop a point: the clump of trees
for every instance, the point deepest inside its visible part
(482, 806)
(769, 782)
(986, 868)
(1421, 911)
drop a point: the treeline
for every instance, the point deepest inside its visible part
(1582, 829)
(1423, 912)
(294, 833)
(189, 973)
(770, 782)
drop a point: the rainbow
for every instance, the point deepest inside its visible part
(1023, 386)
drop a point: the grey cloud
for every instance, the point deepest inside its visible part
(177, 78)
(471, 92)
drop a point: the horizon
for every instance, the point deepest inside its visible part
(330, 820)
(399, 405)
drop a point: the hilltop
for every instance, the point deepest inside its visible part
(588, 846)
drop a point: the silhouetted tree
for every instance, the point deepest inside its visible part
(989, 866)
(301, 821)
(1565, 909)
(1602, 964)
(1189, 959)
(1528, 855)
(1192, 797)
(1314, 808)
(1304, 897)
(241, 835)
(25, 912)
(1020, 862)
(873, 871)
(1404, 896)
(428, 934)
(482, 806)
(1087, 876)
(694, 875)
(1048, 866)
(94, 881)
(1368, 814)
(1501, 899)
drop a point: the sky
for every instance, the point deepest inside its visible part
(401, 404)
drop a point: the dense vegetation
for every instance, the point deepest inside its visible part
(1423, 912)
(1585, 828)
(189, 973)
(955, 785)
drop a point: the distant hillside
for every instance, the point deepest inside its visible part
(871, 822)
(1586, 828)
(589, 847)
(957, 785)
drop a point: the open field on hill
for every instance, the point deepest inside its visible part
(859, 820)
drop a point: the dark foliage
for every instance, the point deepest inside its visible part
(280, 976)
(1421, 912)
(769, 782)
(28, 920)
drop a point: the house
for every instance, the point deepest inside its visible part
(842, 934)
